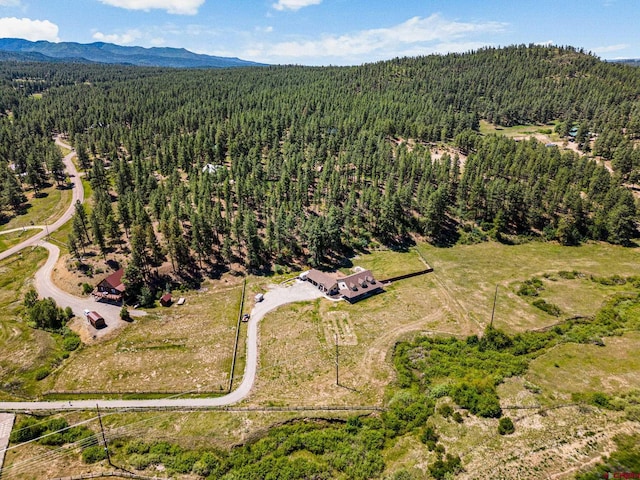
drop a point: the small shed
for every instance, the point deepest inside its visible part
(166, 300)
(259, 297)
(96, 320)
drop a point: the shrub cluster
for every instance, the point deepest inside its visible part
(55, 431)
(531, 287)
(547, 307)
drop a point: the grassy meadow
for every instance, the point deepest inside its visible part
(23, 349)
(554, 436)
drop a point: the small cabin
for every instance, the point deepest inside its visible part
(110, 289)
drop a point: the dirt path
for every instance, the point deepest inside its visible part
(377, 353)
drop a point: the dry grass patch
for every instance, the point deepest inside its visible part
(46, 208)
(577, 368)
(22, 348)
(553, 445)
(297, 345)
(8, 240)
(177, 349)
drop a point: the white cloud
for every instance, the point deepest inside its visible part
(295, 4)
(611, 48)
(416, 36)
(28, 29)
(119, 38)
(9, 3)
(178, 7)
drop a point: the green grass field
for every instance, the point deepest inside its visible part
(612, 368)
(388, 264)
(487, 128)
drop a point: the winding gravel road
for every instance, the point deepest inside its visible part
(78, 195)
(298, 292)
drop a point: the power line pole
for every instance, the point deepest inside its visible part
(493, 311)
(337, 364)
(104, 438)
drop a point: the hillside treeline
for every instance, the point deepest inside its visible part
(282, 164)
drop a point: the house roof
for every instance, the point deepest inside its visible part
(115, 280)
(322, 278)
(358, 284)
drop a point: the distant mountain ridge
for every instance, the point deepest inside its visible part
(101, 52)
(634, 62)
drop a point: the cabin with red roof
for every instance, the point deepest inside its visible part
(111, 289)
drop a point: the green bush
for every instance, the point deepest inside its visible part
(531, 287)
(94, 454)
(479, 397)
(609, 281)
(569, 275)
(124, 314)
(505, 426)
(26, 429)
(74, 434)
(207, 464)
(41, 373)
(86, 288)
(137, 446)
(445, 410)
(429, 435)
(56, 439)
(549, 308)
(183, 462)
(71, 342)
(441, 469)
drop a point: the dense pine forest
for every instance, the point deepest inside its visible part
(281, 165)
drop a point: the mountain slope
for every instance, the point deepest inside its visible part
(101, 52)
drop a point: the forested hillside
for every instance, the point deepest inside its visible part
(278, 165)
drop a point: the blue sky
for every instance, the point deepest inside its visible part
(324, 32)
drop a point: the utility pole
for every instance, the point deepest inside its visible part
(337, 364)
(493, 311)
(104, 438)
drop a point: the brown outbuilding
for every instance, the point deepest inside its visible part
(96, 320)
(166, 300)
